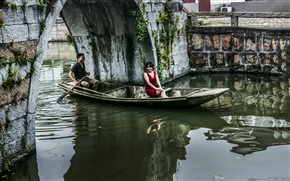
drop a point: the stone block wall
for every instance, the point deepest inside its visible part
(239, 50)
(24, 32)
(19, 32)
(180, 64)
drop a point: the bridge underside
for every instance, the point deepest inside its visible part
(106, 32)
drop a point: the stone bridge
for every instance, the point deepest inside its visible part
(117, 37)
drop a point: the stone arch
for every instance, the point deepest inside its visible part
(105, 31)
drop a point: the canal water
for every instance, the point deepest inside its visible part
(243, 135)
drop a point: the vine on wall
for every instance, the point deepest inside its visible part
(141, 22)
(164, 38)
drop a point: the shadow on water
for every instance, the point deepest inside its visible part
(119, 148)
(243, 135)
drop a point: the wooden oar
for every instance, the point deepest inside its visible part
(64, 94)
(97, 92)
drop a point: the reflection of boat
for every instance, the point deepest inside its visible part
(169, 140)
(113, 140)
(253, 133)
(170, 137)
(135, 95)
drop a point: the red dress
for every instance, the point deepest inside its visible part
(149, 90)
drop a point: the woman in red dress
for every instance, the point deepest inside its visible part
(152, 84)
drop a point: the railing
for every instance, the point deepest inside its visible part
(271, 20)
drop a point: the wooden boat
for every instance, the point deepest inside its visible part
(136, 96)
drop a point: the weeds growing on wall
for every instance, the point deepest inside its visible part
(6, 164)
(42, 25)
(69, 38)
(48, 4)
(1, 19)
(12, 78)
(13, 6)
(4, 4)
(141, 22)
(24, 5)
(20, 58)
(164, 38)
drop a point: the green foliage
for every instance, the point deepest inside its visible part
(141, 26)
(164, 38)
(36, 55)
(48, 4)
(41, 5)
(13, 5)
(24, 5)
(13, 78)
(1, 20)
(4, 4)
(20, 56)
(42, 25)
(141, 22)
(6, 164)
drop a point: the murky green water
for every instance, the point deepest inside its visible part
(243, 135)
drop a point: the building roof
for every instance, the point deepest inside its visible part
(260, 6)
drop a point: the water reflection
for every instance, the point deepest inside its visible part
(252, 133)
(126, 145)
(243, 135)
(169, 140)
(250, 94)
